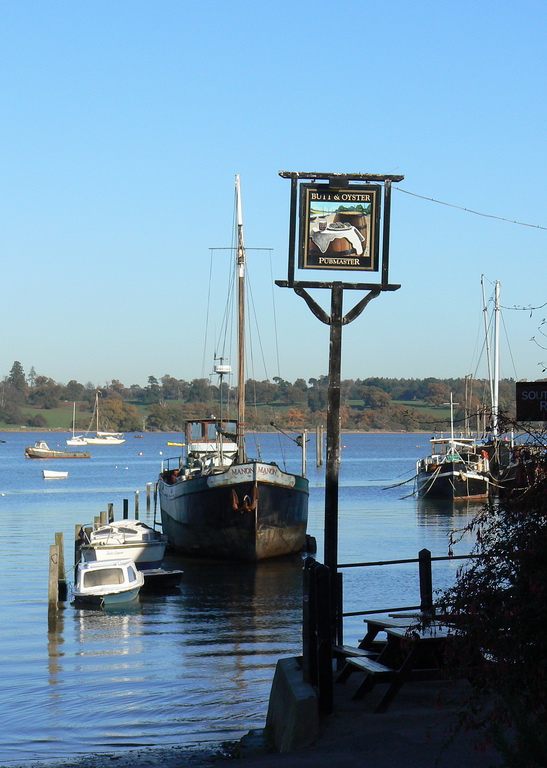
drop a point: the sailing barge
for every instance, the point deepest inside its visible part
(215, 501)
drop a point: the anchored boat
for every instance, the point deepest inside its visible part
(41, 450)
(216, 501)
(126, 539)
(107, 582)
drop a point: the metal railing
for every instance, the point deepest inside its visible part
(323, 615)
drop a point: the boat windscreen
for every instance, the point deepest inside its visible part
(103, 577)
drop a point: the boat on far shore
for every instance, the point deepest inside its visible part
(41, 450)
(102, 438)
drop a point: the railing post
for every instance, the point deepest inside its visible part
(309, 642)
(426, 581)
(323, 599)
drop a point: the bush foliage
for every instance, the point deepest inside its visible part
(500, 604)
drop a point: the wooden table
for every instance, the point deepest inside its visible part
(409, 654)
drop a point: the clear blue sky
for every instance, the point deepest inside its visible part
(124, 123)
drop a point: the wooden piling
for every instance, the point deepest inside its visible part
(78, 539)
(53, 585)
(148, 494)
(110, 513)
(102, 518)
(319, 445)
(136, 505)
(62, 589)
(125, 509)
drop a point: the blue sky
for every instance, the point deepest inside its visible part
(123, 125)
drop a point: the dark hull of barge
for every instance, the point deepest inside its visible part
(452, 482)
(235, 515)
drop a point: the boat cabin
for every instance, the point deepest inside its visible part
(209, 438)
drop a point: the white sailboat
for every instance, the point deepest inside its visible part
(102, 438)
(75, 439)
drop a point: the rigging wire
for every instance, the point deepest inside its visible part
(469, 210)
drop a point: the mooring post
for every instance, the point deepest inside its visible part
(62, 588)
(426, 581)
(148, 495)
(136, 505)
(319, 445)
(53, 585)
(78, 540)
(110, 512)
(125, 509)
(103, 518)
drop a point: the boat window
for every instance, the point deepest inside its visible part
(196, 431)
(131, 573)
(103, 576)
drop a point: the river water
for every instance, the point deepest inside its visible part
(194, 666)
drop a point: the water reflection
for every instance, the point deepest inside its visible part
(55, 642)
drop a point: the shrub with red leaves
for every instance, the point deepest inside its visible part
(499, 603)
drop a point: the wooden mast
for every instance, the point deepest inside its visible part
(240, 432)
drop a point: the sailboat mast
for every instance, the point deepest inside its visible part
(495, 394)
(240, 432)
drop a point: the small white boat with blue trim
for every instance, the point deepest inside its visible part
(107, 582)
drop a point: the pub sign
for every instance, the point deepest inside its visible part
(531, 397)
(339, 227)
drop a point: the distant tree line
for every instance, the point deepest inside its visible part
(374, 403)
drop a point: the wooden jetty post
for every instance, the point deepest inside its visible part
(125, 509)
(62, 588)
(53, 584)
(136, 505)
(78, 538)
(319, 445)
(110, 512)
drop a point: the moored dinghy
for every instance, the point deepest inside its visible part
(130, 539)
(107, 582)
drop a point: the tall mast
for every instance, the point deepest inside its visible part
(240, 432)
(487, 338)
(495, 397)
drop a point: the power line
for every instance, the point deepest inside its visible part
(468, 210)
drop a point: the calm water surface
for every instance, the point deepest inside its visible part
(196, 665)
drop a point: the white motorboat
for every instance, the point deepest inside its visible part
(125, 539)
(107, 582)
(50, 474)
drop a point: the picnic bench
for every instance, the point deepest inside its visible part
(408, 654)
